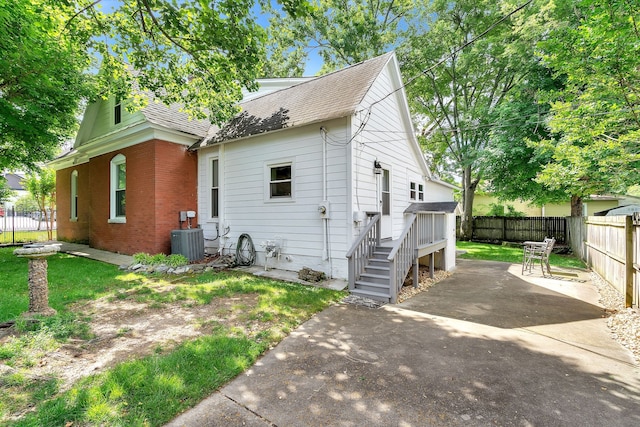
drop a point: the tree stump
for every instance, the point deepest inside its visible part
(38, 283)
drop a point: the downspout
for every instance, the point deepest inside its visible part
(325, 225)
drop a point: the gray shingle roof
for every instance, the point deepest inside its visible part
(448, 207)
(171, 117)
(331, 96)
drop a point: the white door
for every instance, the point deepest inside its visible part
(385, 204)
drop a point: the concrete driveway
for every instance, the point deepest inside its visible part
(486, 346)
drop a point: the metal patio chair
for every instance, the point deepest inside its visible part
(537, 251)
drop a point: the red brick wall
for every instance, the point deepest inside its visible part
(176, 180)
(73, 231)
(161, 181)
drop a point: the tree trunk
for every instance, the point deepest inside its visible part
(576, 206)
(468, 193)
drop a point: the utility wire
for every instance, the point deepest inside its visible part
(457, 50)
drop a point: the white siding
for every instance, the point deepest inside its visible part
(386, 137)
(294, 223)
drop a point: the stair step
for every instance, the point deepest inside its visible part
(378, 296)
(375, 278)
(366, 285)
(378, 269)
(379, 255)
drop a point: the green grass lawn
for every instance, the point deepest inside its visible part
(149, 391)
(491, 252)
(8, 236)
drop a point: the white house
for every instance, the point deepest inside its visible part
(299, 169)
(301, 173)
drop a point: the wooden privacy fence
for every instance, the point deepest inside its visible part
(516, 229)
(611, 247)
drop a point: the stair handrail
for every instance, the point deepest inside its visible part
(362, 248)
(406, 245)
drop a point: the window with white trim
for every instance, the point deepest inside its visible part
(281, 181)
(215, 188)
(74, 195)
(416, 191)
(118, 188)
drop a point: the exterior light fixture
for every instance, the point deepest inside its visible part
(377, 168)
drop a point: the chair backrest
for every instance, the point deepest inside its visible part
(550, 242)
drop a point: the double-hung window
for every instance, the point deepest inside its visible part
(118, 189)
(280, 181)
(215, 188)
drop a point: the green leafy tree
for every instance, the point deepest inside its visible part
(26, 204)
(474, 54)
(595, 46)
(513, 158)
(42, 186)
(342, 32)
(5, 191)
(42, 81)
(197, 53)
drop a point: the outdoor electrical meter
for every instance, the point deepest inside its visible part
(323, 209)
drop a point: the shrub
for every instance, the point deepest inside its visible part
(175, 260)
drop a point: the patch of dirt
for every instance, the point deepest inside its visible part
(126, 330)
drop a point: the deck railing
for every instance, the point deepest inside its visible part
(362, 249)
(422, 229)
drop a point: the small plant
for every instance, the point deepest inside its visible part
(174, 260)
(142, 258)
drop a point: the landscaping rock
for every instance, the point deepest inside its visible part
(162, 268)
(136, 267)
(310, 275)
(181, 270)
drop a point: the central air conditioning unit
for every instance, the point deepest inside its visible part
(189, 243)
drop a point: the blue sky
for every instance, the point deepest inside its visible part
(314, 62)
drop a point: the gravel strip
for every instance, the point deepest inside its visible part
(623, 322)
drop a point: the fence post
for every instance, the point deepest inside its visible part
(628, 272)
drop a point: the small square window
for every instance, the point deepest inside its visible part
(412, 191)
(280, 181)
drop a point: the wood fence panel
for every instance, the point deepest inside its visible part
(636, 260)
(577, 235)
(606, 250)
(516, 229)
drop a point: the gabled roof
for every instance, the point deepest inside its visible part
(14, 180)
(331, 96)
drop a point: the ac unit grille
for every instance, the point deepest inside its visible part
(189, 243)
